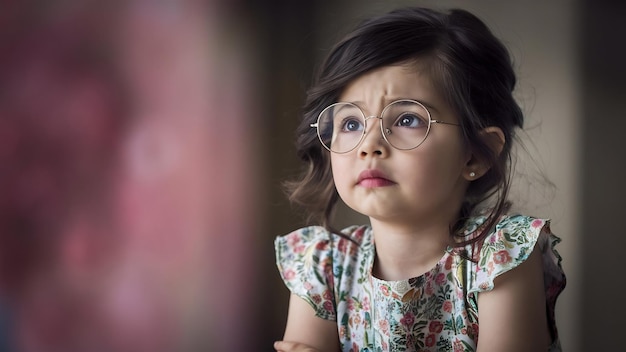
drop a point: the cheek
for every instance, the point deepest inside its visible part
(443, 164)
(335, 167)
(340, 170)
(448, 150)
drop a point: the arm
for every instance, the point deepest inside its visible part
(309, 332)
(512, 317)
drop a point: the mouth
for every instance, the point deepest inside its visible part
(373, 178)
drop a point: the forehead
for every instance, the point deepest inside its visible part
(400, 80)
(407, 80)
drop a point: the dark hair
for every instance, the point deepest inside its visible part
(469, 66)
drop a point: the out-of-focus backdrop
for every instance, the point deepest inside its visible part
(143, 145)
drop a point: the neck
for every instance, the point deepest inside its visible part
(403, 253)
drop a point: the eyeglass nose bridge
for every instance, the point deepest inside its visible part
(383, 130)
(365, 130)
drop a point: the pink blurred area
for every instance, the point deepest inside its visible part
(126, 201)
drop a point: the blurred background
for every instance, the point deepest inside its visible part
(143, 145)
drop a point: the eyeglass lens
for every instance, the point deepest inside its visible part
(404, 123)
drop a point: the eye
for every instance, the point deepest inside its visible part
(351, 124)
(411, 120)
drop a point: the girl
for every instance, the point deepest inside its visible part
(415, 115)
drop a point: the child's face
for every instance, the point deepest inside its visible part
(411, 186)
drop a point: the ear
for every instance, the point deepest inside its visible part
(477, 166)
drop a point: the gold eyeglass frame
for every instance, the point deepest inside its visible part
(382, 128)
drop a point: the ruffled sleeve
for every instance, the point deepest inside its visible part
(305, 262)
(508, 246)
(512, 242)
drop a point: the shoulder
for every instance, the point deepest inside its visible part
(318, 240)
(516, 233)
(508, 225)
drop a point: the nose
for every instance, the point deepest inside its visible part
(373, 142)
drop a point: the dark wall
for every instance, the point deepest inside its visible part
(281, 35)
(603, 54)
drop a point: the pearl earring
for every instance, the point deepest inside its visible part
(472, 174)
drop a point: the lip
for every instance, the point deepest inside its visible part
(372, 178)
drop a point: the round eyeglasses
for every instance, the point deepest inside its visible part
(404, 124)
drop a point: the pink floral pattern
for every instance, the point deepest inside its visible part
(436, 311)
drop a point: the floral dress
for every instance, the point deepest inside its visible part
(437, 311)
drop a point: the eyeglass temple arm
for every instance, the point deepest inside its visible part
(445, 123)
